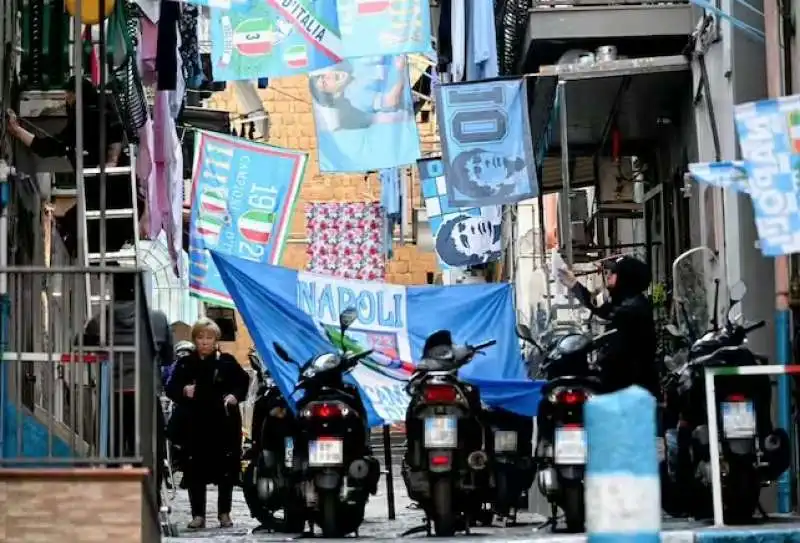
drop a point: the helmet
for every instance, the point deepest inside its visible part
(183, 348)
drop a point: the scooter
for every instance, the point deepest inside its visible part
(753, 453)
(271, 480)
(445, 467)
(510, 443)
(331, 447)
(561, 438)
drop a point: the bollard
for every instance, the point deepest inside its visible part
(623, 490)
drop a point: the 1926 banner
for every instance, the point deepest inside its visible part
(236, 208)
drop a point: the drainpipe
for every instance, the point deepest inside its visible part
(772, 25)
(5, 306)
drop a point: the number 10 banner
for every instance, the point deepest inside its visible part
(486, 142)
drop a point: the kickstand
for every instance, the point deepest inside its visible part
(552, 521)
(763, 512)
(424, 528)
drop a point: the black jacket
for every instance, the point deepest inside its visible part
(628, 357)
(211, 432)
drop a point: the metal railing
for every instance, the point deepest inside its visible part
(602, 3)
(82, 391)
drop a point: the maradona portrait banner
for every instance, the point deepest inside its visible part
(486, 142)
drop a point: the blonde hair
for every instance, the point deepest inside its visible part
(203, 324)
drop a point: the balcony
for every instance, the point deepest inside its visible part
(637, 28)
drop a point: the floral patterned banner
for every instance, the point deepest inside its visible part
(346, 240)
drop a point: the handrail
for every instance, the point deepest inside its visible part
(539, 4)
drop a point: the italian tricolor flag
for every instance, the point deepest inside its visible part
(370, 7)
(794, 130)
(256, 226)
(254, 37)
(209, 227)
(213, 202)
(296, 56)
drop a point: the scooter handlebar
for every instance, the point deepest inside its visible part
(484, 345)
(754, 326)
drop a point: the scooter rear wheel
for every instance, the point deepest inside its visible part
(573, 506)
(328, 513)
(444, 515)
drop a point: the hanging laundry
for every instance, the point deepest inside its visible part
(145, 172)
(458, 29)
(345, 240)
(91, 51)
(167, 44)
(190, 46)
(390, 205)
(481, 41)
(147, 51)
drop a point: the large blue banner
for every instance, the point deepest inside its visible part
(274, 38)
(769, 136)
(293, 308)
(385, 27)
(236, 208)
(364, 115)
(462, 236)
(486, 142)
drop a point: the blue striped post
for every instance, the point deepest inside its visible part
(623, 490)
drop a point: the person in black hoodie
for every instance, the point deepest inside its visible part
(209, 385)
(628, 357)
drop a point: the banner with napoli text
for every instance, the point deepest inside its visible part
(364, 115)
(769, 136)
(274, 38)
(294, 309)
(462, 236)
(486, 142)
(385, 27)
(237, 209)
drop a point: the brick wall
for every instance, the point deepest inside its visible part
(71, 506)
(288, 103)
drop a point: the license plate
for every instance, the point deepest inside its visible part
(441, 433)
(288, 452)
(570, 446)
(505, 441)
(326, 452)
(738, 419)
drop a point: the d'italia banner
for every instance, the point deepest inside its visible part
(243, 197)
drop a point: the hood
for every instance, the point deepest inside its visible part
(633, 277)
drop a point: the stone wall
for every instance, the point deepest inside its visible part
(288, 103)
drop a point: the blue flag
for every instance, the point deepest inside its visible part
(385, 27)
(486, 142)
(236, 208)
(294, 308)
(726, 174)
(274, 38)
(364, 115)
(462, 236)
(769, 136)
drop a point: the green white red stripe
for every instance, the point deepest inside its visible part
(296, 57)
(255, 37)
(256, 226)
(209, 227)
(213, 202)
(769, 369)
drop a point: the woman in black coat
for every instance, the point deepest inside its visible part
(208, 385)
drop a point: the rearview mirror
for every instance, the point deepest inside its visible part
(673, 330)
(347, 318)
(524, 332)
(281, 352)
(737, 291)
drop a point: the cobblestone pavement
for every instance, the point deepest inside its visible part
(376, 524)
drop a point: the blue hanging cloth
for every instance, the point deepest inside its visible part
(391, 205)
